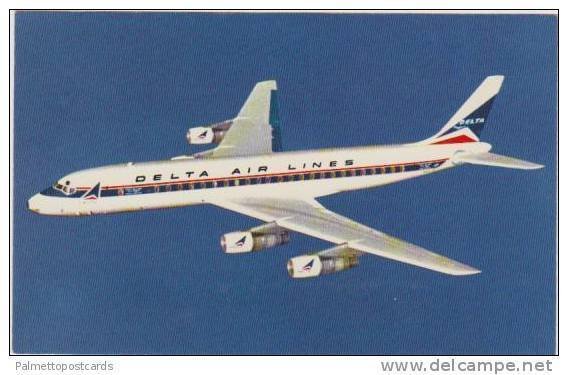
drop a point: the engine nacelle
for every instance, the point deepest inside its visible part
(245, 242)
(314, 265)
(208, 134)
(200, 136)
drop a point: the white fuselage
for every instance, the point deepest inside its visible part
(175, 183)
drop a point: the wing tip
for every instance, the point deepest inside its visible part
(495, 80)
(536, 166)
(464, 271)
(269, 84)
(496, 77)
(527, 165)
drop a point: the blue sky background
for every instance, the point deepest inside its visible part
(95, 89)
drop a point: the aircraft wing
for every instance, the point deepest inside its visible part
(255, 130)
(311, 218)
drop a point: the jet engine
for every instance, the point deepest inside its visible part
(208, 134)
(245, 242)
(316, 265)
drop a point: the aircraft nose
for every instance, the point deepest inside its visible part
(33, 203)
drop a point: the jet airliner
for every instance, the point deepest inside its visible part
(248, 173)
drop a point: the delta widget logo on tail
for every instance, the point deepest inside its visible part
(475, 121)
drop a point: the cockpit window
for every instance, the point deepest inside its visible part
(66, 188)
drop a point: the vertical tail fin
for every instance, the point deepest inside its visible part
(468, 122)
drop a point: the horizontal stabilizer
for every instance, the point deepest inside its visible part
(494, 160)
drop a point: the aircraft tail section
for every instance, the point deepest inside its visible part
(468, 122)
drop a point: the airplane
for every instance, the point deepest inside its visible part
(248, 173)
